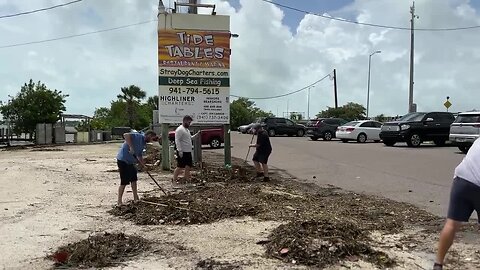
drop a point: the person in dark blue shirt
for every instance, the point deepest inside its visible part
(130, 153)
(264, 149)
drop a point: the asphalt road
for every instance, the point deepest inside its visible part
(421, 176)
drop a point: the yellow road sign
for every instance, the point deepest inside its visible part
(447, 104)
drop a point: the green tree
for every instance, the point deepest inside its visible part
(294, 116)
(132, 96)
(350, 111)
(34, 104)
(101, 119)
(381, 118)
(244, 111)
(152, 102)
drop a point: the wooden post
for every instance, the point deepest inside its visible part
(165, 148)
(227, 145)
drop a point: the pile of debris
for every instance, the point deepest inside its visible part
(322, 243)
(99, 250)
(212, 174)
(325, 225)
(206, 205)
(153, 155)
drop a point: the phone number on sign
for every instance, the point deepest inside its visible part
(212, 117)
(194, 90)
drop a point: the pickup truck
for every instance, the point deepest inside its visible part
(212, 136)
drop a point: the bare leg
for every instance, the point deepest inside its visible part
(121, 189)
(176, 173)
(134, 191)
(265, 170)
(446, 239)
(258, 168)
(187, 173)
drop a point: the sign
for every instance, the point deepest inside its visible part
(447, 103)
(194, 76)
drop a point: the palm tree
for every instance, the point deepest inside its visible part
(153, 102)
(132, 95)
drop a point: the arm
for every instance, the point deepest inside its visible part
(129, 140)
(196, 135)
(141, 161)
(178, 134)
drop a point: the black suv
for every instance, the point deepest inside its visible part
(324, 128)
(415, 128)
(282, 126)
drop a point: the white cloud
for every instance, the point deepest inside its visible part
(267, 59)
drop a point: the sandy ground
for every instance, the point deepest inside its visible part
(52, 198)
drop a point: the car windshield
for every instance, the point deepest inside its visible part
(412, 117)
(351, 124)
(468, 118)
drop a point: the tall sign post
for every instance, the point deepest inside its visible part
(194, 72)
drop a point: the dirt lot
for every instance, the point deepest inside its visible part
(51, 198)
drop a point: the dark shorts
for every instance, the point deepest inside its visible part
(185, 160)
(128, 172)
(464, 199)
(261, 157)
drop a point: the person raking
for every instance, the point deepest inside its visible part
(464, 199)
(262, 153)
(129, 154)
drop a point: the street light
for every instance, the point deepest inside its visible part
(368, 88)
(308, 101)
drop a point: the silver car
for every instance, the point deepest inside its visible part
(465, 130)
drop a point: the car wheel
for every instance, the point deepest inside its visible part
(300, 133)
(344, 141)
(439, 142)
(362, 138)
(314, 138)
(389, 143)
(215, 143)
(464, 149)
(414, 140)
(327, 136)
(272, 132)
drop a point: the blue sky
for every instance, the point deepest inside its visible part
(292, 18)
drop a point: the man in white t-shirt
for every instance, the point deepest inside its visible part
(183, 142)
(464, 199)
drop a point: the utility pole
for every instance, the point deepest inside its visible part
(308, 101)
(368, 87)
(412, 50)
(335, 87)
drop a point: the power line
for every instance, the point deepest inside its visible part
(77, 35)
(370, 24)
(287, 94)
(38, 10)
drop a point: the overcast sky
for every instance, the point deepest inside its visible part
(278, 51)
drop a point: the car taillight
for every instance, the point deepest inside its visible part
(350, 129)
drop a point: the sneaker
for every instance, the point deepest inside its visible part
(437, 266)
(266, 179)
(259, 174)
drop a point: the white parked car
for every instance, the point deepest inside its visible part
(360, 131)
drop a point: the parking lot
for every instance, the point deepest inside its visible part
(421, 176)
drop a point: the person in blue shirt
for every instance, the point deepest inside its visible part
(130, 153)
